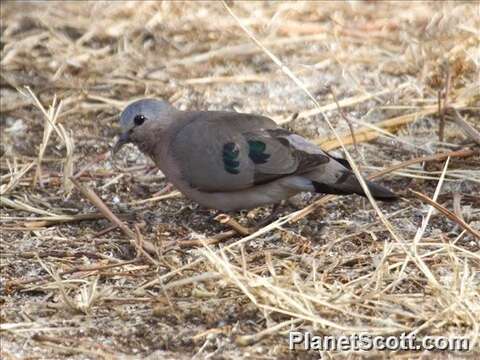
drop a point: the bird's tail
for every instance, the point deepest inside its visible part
(350, 185)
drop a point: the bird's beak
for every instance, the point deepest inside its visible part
(122, 140)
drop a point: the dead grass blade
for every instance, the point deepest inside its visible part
(355, 100)
(449, 214)
(50, 124)
(15, 176)
(468, 129)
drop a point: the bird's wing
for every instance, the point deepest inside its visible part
(278, 152)
(229, 151)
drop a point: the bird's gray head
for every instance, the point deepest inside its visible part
(140, 119)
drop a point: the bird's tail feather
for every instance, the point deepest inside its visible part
(352, 186)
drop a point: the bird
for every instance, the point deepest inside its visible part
(230, 161)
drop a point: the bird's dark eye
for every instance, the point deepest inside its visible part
(139, 120)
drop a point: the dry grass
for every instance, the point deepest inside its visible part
(97, 263)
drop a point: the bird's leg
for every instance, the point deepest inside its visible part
(166, 189)
(211, 216)
(275, 211)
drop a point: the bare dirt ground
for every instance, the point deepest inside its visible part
(173, 282)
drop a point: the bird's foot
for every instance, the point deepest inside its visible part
(270, 218)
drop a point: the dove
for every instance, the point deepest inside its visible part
(230, 161)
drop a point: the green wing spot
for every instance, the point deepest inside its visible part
(257, 151)
(230, 154)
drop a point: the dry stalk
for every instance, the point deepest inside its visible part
(248, 340)
(107, 213)
(88, 294)
(345, 117)
(366, 134)
(90, 195)
(186, 244)
(355, 100)
(20, 205)
(228, 220)
(452, 216)
(172, 195)
(468, 129)
(16, 176)
(442, 105)
(50, 124)
(95, 161)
